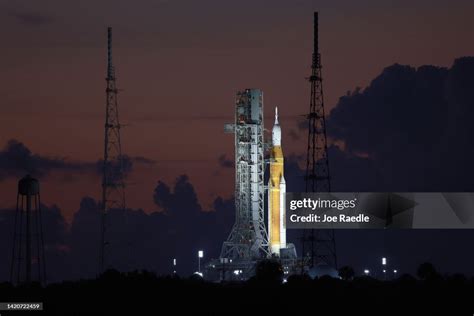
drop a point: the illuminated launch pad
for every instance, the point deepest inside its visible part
(250, 239)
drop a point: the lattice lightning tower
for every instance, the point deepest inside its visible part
(113, 188)
(322, 241)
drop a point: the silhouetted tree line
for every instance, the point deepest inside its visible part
(144, 293)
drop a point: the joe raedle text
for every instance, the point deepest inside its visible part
(342, 218)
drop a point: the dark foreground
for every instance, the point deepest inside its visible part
(142, 293)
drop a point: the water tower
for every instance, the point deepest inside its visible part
(28, 263)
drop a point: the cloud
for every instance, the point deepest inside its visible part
(224, 162)
(16, 160)
(409, 130)
(135, 239)
(144, 160)
(32, 19)
(117, 168)
(125, 164)
(188, 225)
(413, 126)
(302, 124)
(294, 134)
(182, 197)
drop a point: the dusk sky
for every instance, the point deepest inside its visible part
(180, 63)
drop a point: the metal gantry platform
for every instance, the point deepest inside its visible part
(248, 240)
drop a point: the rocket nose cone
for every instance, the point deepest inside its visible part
(276, 131)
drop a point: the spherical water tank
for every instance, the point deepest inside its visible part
(28, 186)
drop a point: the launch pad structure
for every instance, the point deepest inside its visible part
(248, 241)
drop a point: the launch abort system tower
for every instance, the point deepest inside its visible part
(248, 240)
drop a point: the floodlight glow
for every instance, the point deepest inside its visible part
(201, 254)
(366, 271)
(384, 261)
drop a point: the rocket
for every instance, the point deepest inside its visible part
(276, 193)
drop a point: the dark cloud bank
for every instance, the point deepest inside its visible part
(32, 19)
(415, 126)
(16, 160)
(410, 129)
(225, 162)
(136, 240)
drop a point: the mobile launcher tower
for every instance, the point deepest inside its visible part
(248, 241)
